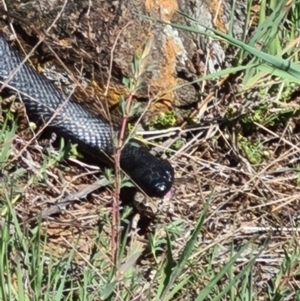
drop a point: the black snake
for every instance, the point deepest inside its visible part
(44, 101)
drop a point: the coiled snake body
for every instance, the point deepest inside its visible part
(70, 120)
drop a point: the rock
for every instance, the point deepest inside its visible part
(94, 41)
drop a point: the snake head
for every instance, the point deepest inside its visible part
(160, 178)
(155, 176)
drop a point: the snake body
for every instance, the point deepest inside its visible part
(68, 119)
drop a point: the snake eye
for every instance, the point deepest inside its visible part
(163, 183)
(160, 187)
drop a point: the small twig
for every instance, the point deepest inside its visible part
(60, 206)
(111, 57)
(115, 205)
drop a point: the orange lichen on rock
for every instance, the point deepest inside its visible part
(217, 11)
(166, 79)
(114, 93)
(166, 8)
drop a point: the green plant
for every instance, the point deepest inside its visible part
(164, 120)
(252, 149)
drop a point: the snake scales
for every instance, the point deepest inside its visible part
(68, 119)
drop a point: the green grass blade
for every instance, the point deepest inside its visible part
(6, 139)
(268, 29)
(245, 270)
(207, 290)
(187, 250)
(166, 269)
(213, 76)
(267, 35)
(64, 274)
(290, 71)
(176, 289)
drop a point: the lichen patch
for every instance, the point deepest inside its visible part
(166, 8)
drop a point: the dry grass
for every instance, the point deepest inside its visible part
(242, 158)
